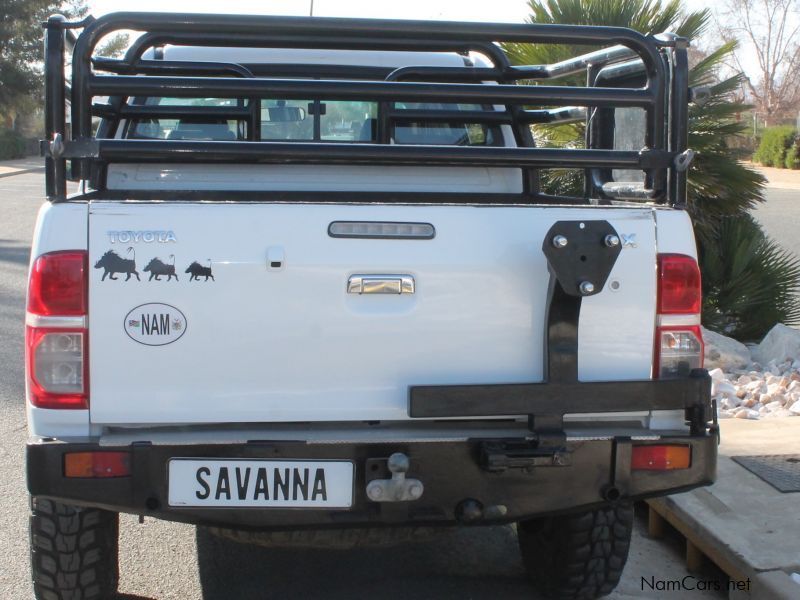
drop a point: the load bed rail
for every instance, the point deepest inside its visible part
(662, 92)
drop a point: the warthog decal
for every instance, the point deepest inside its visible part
(114, 263)
(158, 268)
(197, 270)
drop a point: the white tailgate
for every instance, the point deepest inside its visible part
(257, 344)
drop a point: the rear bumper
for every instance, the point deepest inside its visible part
(565, 475)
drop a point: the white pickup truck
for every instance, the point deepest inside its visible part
(311, 282)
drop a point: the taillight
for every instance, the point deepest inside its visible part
(55, 335)
(58, 284)
(660, 458)
(97, 464)
(679, 290)
(679, 339)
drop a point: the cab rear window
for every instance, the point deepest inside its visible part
(310, 120)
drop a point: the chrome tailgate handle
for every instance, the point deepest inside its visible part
(380, 284)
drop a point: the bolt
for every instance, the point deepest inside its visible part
(612, 241)
(586, 287)
(559, 241)
(375, 492)
(415, 491)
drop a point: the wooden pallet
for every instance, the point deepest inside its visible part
(699, 545)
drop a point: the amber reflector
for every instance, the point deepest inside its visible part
(660, 458)
(97, 464)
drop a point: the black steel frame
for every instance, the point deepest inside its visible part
(663, 96)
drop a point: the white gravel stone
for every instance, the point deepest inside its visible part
(717, 374)
(743, 389)
(747, 413)
(725, 388)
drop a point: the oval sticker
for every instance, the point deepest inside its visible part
(155, 324)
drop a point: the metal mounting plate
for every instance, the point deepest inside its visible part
(587, 256)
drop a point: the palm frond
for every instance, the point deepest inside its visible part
(749, 282)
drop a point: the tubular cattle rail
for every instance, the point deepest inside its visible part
(661, 90)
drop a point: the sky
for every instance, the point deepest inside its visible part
(500, 11)
(511, 11)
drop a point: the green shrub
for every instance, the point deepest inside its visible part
(793, 156)
(12, 145)
(775, 142)
(749, 282)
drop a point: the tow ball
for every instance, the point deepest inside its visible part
(399, 488)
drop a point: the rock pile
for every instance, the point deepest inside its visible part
(762, 382)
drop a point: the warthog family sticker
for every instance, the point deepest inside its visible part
(155, 324)
(197, 270)
(157, 268)
(113, 263)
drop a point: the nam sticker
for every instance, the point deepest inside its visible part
(155, 324)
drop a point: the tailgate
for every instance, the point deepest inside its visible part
(257, 324)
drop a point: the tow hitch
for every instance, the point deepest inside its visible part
(399, 488)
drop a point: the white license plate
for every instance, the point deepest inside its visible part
(260, 483)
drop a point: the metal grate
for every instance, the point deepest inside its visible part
(781, 471)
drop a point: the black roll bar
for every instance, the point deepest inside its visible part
(135, 77)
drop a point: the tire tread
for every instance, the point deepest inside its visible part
(73, 551)
(577, 557)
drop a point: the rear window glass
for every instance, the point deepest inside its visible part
(309, 120)
(190, 127)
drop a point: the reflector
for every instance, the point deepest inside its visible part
(660, 458)
(97, 464)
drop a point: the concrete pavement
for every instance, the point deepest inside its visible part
(751, 528)
(784, 179)
(20, 166)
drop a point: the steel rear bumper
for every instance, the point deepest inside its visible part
(510, 479)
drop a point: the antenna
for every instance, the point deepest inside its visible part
(311, 10)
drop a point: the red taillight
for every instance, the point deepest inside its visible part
(58, 284)
(97, 464)
(679, 290)
(660, 458)
(56, 338)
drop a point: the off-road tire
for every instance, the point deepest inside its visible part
(73, 551)
(577, 557)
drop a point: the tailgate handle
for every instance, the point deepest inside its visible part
(380, 284)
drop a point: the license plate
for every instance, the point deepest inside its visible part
(260, 483)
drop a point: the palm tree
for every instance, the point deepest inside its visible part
(748, 298)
